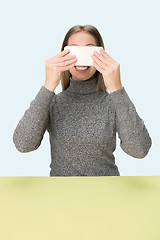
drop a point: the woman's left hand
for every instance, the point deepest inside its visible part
(109, 68)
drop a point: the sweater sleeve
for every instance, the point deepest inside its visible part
(132, 132)
(30, 129)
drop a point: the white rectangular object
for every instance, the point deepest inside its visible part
(83, 54)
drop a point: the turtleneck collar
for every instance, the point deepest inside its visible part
(82, 86)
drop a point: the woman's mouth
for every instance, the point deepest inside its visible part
(82, 69)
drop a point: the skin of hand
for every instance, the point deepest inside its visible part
(109, 68)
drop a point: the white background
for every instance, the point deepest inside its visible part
(33, 31)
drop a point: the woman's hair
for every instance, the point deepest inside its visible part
(65, 75)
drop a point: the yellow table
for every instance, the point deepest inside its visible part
(80, 208)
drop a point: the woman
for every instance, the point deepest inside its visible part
(83, 119)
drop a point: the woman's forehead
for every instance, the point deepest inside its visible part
(81, 38)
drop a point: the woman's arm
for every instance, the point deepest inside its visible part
(30, 129)
(132, 132)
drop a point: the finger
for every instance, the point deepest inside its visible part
(60, 59)
(63, 64)
(105, 60)
(66, 61)
(100, 63)
(101, 57)
(62, 68)
(107, 55)
(67, 67)
(96, 65)
(63, 53)
(68, 57)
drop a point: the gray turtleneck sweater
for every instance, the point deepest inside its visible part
(82, 129)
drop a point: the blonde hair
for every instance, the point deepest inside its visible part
(65, 75)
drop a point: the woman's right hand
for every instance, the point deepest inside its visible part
(55, 65)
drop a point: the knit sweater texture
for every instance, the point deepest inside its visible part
(82, 129)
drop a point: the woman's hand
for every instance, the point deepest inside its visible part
(109, 68)
(55, 65)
